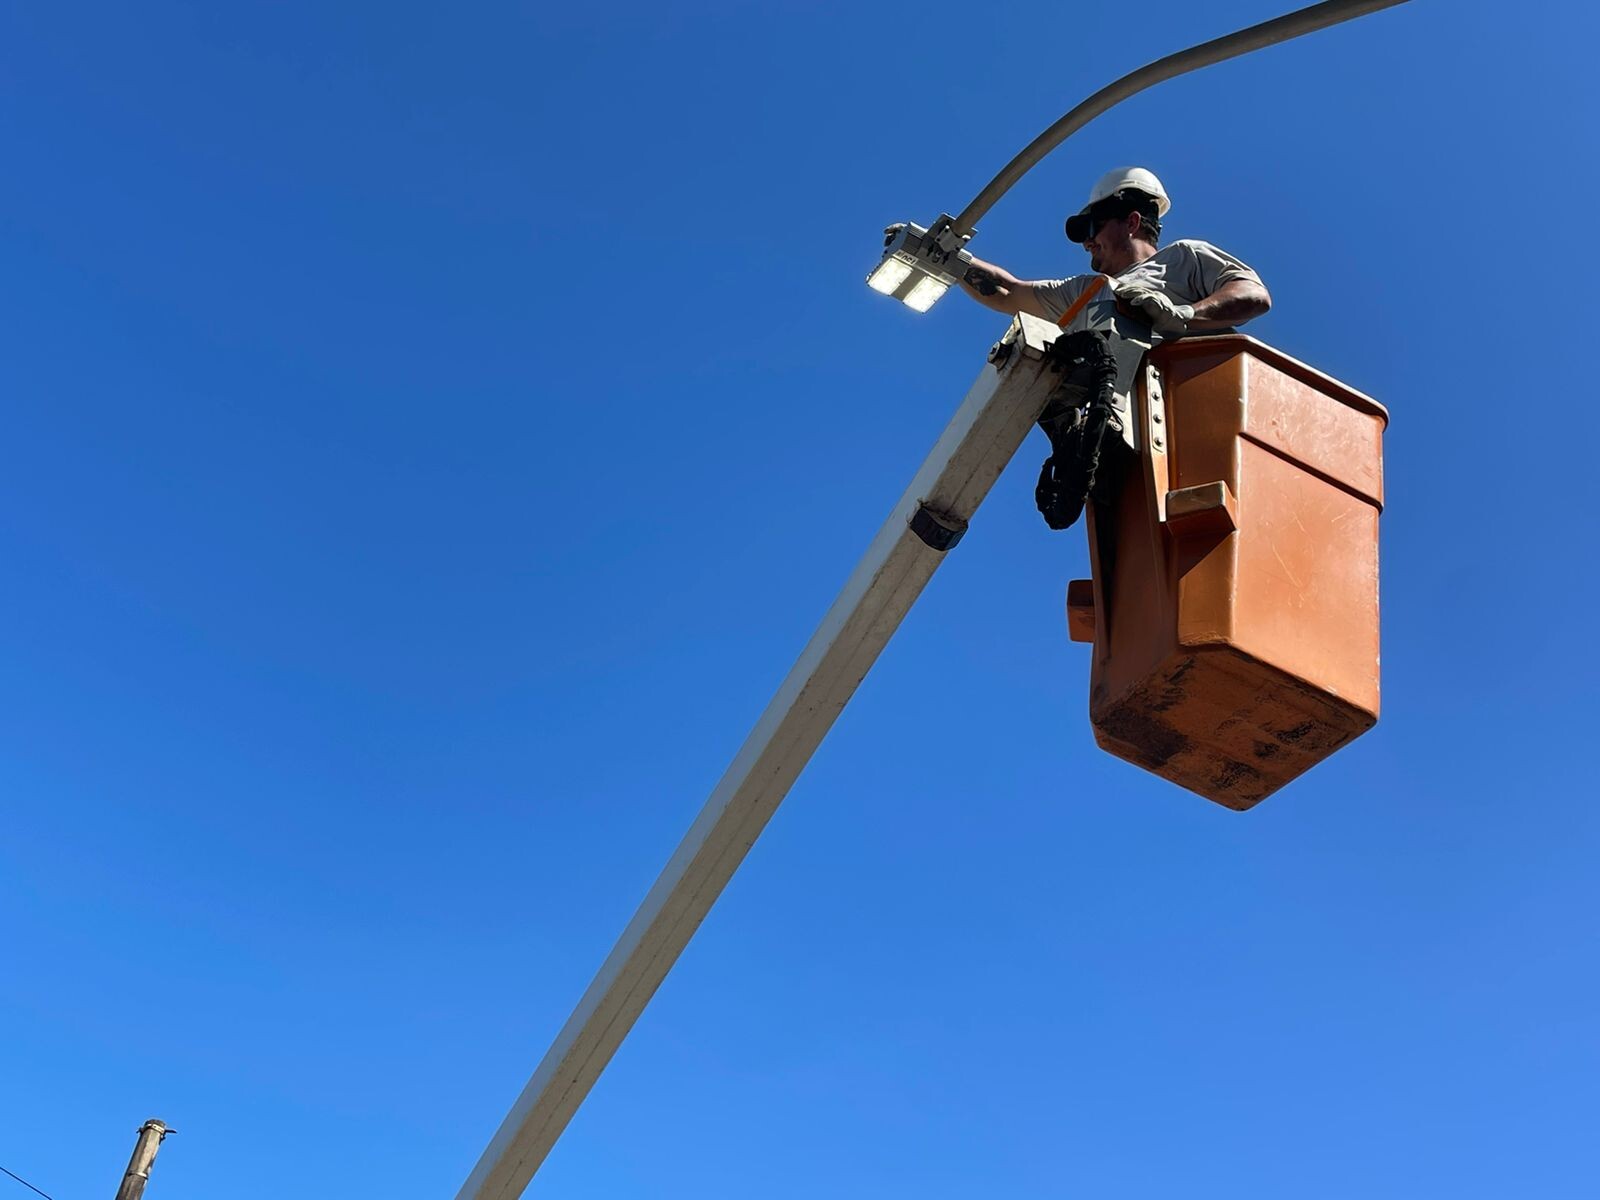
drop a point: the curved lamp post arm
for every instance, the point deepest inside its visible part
(1268, 33)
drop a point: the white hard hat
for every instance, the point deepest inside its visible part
(1123, 179)
(1134, 179)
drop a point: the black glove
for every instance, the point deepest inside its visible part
(981, 280)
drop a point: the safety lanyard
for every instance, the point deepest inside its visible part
(1077, 306)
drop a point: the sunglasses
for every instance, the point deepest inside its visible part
(1081, 227)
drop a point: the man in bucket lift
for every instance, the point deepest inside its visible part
(1187, 287)
(1140, 293)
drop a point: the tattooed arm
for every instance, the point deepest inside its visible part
(995, 287)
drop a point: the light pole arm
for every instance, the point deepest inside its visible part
(1268, 33)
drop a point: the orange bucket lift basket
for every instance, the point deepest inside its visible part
(1234, 604)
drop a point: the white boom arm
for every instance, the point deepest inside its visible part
(980, 440)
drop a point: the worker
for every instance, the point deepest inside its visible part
(1185, 287)
(1139, 294)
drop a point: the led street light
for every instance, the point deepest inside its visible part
(891, 273)
(928, 290)
(919, 265)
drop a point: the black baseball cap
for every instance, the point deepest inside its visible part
(1081, 226)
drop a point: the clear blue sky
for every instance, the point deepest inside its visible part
(431, 433)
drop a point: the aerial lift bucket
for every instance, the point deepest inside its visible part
(1234, 604)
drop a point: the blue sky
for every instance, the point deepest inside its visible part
(430, 436)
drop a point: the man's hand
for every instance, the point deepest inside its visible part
(997, 288)
(1165, 317)
(981, 281)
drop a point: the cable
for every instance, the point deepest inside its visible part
(26, 1184)
(1256, 37)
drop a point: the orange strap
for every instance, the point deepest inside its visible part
(1077, 306)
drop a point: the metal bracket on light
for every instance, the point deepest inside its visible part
(919, 265)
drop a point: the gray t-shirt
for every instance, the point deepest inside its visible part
(1187, 271)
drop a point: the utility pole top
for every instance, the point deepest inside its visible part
(137, 1175)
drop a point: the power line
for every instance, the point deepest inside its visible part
(26, 1184)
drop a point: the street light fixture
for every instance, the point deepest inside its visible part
(919, 265)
